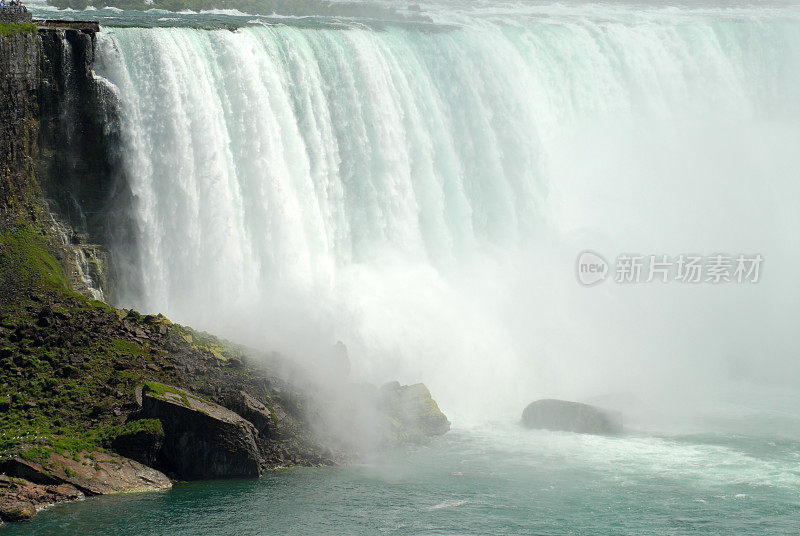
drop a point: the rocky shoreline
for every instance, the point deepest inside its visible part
(103, 401)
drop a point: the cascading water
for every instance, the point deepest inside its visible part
(420, 192)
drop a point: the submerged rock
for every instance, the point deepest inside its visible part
(568, 416)
(201, 439)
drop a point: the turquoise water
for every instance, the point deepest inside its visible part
(493, 479)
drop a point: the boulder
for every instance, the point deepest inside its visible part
(20, 499)
(201, 439)
(92, 473)
(568, 416)
(414, 412)
(16, 510)
(252, 410)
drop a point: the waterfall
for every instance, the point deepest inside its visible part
(421, 192)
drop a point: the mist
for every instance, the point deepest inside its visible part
(423, 197)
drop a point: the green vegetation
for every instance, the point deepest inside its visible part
(222, 350)
(106, 435)
(26, 261)
(17, 28)
(160, 390)
(63, 384)
(125, 347)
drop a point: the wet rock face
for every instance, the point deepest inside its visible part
(18, 126)
(201, 439)
(567, 416)
(79, 166)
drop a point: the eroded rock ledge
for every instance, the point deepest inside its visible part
(201, 439)
(27, 485)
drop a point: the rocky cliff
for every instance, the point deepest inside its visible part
(57, 135)
(78, 133)
(19, 130)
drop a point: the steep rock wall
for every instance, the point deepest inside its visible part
(18, 125)
(78, 132)
(57, 134)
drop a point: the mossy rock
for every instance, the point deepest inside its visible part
(201, 439)
(415, 409)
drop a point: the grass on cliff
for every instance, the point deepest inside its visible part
(16, 28)
(66, 375)
(59, 379)
(69, 365)
(63, 388)
(27, 265)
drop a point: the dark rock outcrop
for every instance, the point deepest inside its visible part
(252, 410)
(562, 415)
(19, 129)
(78, 165)
(140, 445)
(201, 439)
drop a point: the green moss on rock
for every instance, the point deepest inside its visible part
(16, 28)
(26, 261)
